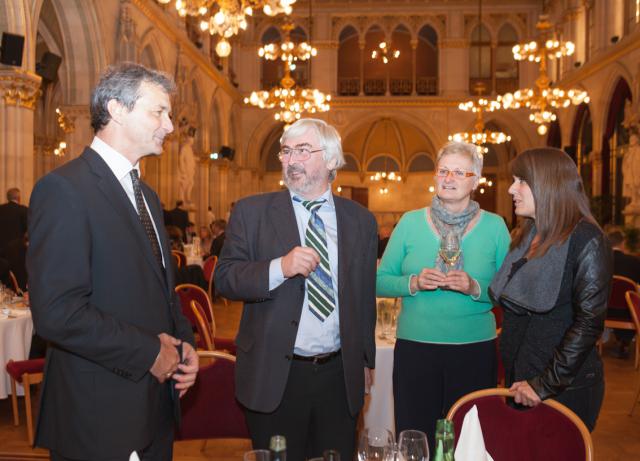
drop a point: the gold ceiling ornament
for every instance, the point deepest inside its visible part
(543, 99)
(288, 99)
(385, 53)
(227, 18)
(64, 122)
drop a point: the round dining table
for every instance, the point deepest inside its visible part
(16, 329)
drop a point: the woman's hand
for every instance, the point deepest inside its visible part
(524, 394)
(462, 282)
(428, 279)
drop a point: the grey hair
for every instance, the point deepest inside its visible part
(463, 148)
(122, 83)
(13, 194)
(327, 135)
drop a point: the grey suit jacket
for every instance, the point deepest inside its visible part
(261, 228)
(98, 294)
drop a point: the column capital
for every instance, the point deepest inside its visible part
(19, 87)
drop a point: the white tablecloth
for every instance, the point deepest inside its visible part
(378, 405)
(15, 342)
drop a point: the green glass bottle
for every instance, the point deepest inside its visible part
(445, 438)
(278, 448)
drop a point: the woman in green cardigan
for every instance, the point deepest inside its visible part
(446, 330)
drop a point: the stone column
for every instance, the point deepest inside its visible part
(19, 90)
(361, 44)
(81, 133)
(414, 77)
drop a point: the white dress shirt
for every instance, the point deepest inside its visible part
(121, 167)
(315, 336)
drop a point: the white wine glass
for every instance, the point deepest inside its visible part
(373, 443)
(450, 250)
(413, 445)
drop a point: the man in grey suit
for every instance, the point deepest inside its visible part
(304, 263)
(100, 289)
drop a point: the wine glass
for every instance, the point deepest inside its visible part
(373, 442)
(450, 249)
(413, 445)
(384, 318)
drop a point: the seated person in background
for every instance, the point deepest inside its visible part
(16, 253)
(217, 229)
(190, 232)
(626, 265)
(384, 232)
(205, 240)
(175, 237)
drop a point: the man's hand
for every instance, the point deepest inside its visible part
(167, 360)
(462, 282)
(300, 260)
(188, 370)
(368, 379)
(524, 394)
(428, 279)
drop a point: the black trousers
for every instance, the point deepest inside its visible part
(313, 415)
(160, 448)
(429, 378)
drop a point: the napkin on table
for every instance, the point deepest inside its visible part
(471, 442)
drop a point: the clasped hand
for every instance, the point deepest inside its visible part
(300, 260)
(169, 365)
(432, 279)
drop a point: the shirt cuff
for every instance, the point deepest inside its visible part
(475, 298)
(276, 277)
(409, 286)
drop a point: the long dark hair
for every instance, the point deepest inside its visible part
(558, 194)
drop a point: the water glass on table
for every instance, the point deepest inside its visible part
(413, 445)
(257, 455)
(373, 443)
(385, 316)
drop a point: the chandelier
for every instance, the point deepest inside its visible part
(543, 99)
(230, 17)
(289, 100)
(385, 177)
(384, 53)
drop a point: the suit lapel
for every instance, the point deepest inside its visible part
(283, 219)
(158, 219)
(115, 194)
(347, 241)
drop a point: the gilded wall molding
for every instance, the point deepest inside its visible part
(20, 88)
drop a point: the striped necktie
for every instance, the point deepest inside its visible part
(145, 219)
(321, 295)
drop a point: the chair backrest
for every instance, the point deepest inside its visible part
(549, 431)
(176, 259)
(208, 266)
(633, 301)
(188, 292)
(619, 286)
(206, 341)
(14, 283)
(210, 409)
(181, 256)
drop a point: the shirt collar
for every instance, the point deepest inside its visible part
(117, 163)
(327, 195)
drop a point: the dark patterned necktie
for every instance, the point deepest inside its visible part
(320, 292)
(145, 219)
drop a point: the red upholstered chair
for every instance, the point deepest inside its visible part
(548, 432)
(26, 372)
(188, 292)
(208, 268)
(210, 409)
(633, 300)
(617, 310)
(180, 258)
(205, 341)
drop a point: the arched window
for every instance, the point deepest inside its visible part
(421, 163)
(348, 63)
(383, 163)
(427, 62)
(480, 60)
(375, 72)
(272, 71)
(351, 163)
(400, 81)
(506, 66)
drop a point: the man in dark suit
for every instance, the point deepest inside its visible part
(217, 229)
(13, 218)
(180, 218)
(100, 291)
(304, 262)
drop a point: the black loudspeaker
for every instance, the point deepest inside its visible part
(227, 152)
(48, 66)
(12, 47)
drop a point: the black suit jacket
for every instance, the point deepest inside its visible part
(13, 222)
(98, 294)
(180, 219)
(216, 245)
(262, 228)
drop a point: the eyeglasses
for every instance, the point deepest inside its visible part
(457, 174)
(296, 153)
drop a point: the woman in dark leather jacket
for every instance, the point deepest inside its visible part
(553, 286)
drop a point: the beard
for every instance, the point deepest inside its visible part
(304, 182)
